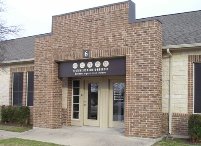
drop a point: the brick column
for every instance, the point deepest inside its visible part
(48, 87)
(143, 82)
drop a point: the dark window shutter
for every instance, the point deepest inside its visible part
(30, 89)
(17, 88)
(197, 88)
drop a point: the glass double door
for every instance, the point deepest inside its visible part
(104, 103)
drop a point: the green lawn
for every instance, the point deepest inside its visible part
(175, 142)
(22, 142)
(14, 128)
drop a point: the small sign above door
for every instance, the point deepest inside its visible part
(101, 67)
(86, 54)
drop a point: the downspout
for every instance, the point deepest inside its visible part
(170, 100)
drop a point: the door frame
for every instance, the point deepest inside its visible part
(86, 121)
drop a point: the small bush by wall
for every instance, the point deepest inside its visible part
(194, 127)
(15, 114)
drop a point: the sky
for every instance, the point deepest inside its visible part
(35, 16)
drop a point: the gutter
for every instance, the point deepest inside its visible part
(170, 98)
(18, 61)
(181, 46)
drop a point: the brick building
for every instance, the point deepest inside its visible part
(102, 67)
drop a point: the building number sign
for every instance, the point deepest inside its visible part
(86, 54)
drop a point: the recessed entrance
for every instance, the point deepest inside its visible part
(101, 102)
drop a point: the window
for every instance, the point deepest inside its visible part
(118, 101)
(197, 88)
(30, 88)
(17, 88)
(76, 99)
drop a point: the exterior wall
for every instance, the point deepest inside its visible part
(182, 102)
(4, 85)
(106, 32)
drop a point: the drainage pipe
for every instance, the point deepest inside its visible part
(170, 100)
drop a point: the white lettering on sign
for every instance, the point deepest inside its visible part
(88, 68)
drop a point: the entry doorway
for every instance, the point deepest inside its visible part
(101, 102)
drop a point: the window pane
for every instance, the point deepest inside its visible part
(17, 98)
(92, 101)
(76, 107)
(118, 101)
(30, 81)
(30, 90)
(75, 99)
(17, 88)
(30, 98)
(76, 91)
(197, 88)
(75, 115)
(76, 83)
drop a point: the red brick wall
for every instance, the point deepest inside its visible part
(179, 124)
(105, 31)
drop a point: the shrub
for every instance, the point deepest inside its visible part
(15, 115)
(194, 127)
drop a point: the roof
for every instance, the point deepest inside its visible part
(180, 28)
(19, 49)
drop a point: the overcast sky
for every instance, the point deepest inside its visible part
(35, 16)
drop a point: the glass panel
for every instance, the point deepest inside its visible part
(118, 101)
(30, 94)
(17, 98)
(76, 91)
(75, 99)
(197, 87)
(76, 107)
(17, 88)
(76, 83)
(92, 101)
(75, 115)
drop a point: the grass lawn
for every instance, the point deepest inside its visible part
(22, 142)
(175, 142)
(14, 128)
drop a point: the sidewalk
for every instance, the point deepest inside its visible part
(81, 136)
(7, 134)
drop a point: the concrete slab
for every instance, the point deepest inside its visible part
(8, 134)
(85, 136)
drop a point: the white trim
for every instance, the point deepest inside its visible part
(17, 61)
(182, 46)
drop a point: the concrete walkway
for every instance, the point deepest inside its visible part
(81, 136)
